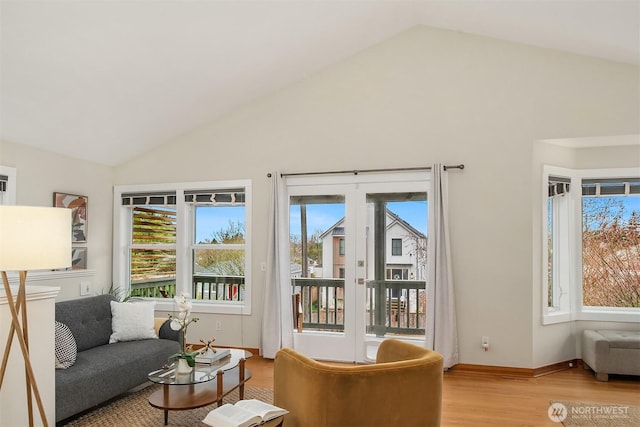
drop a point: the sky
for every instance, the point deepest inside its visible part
(321, 217)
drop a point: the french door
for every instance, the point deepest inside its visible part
(358, 262)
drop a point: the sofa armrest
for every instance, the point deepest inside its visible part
(164, 330)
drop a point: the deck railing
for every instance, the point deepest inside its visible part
(204, 287)
(218, 288)
(396, 307)
(392, 307)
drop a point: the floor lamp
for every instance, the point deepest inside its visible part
(31, 238)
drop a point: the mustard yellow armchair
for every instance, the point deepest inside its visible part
(403, 388)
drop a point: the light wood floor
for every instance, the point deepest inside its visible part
(488, 400)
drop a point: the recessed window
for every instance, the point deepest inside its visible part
(591, 245)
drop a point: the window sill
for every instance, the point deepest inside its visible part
(610, 315)
(36, 276)
(205, 307)
(556, 317)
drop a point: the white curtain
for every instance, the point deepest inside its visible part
(442, 332)
(277, 317)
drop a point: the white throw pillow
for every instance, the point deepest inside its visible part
(132, 321)
(66, 348)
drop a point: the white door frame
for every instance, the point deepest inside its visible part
(352, 344)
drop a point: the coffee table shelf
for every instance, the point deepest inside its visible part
(203, 386)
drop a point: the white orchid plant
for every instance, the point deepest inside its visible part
(181, 322)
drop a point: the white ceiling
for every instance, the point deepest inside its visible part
(108, 80)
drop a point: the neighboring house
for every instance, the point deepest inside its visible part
(405, 250)
(315, 270)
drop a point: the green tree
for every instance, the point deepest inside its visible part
(223, 261)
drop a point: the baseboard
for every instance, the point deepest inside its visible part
(509, 372)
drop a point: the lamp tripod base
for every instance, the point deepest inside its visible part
(22, 334)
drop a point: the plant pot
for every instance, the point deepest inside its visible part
(183, 367)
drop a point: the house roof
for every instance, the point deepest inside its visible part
(336, 230)
(108, 81)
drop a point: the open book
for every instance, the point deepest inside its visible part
(244, 413)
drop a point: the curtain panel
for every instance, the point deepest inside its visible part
(442, 332)
(277, 317)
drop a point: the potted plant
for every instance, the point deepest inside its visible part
(186, 358)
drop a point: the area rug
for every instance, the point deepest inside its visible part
(581, 414)
(133, 409)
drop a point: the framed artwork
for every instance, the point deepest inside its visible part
(78, 258)
(78, 206)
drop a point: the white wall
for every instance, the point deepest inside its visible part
(39, 175)
(423, 96)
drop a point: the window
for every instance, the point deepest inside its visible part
(591, 245)
(191, 237)
(341, 246)
(396, 247)
(611, 242)
(397, 274)
(218, 244)
(7, 185)
(152, 252)
(558, 245)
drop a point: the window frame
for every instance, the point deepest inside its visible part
(185, 228)
(563, 284)
(396, 243)
(575, 309)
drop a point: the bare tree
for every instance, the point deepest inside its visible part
(610, 254)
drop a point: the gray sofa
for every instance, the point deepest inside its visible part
(102, 371)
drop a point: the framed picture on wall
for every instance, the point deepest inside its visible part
(78, 258)
(78, 206)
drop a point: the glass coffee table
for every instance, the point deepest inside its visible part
(198, 388)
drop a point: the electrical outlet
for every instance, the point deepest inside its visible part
(485, 343)
(85, 288)
(218, 325)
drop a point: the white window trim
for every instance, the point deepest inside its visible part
(563, 312)
(121, 237)
(576, 311)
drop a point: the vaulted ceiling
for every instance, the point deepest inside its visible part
(106, 81)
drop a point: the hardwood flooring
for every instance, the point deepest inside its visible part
(478, 400)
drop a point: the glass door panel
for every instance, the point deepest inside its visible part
(317, 252)
(396, 264)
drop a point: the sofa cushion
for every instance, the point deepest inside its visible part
(102, 373)
(621, 339)
(65, 346)
(88, 318)
(132, 321)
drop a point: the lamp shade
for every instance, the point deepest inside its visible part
(34, 238)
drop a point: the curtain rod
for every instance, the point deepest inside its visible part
(357, 171)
